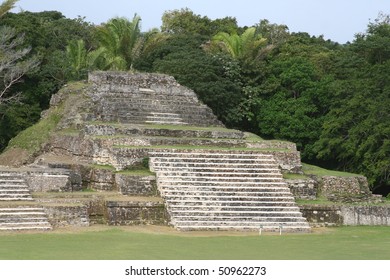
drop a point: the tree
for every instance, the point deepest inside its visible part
(120, 44)
(6, 6)
(244, 46)
(355, 134)
(13, 62)
(184, 21)
(46, 35)
(76, 55)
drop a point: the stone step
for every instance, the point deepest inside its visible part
(259, 219)
(202, 184)
(228, 207)
(218, 154)
(227, 194)
(229, 201)
(207, 169)
(222, 188)
(35, 223)
(145, 98)
(228, 213)
(16, 199)
(142, 120)
(13, 187)
(211, 165)
(22, 228)
(13, 182)
(219, 179)
(20, 213)
(220, 175)
(286, 228)
(10, 194)
(20, 220)
(230, 204)
(14, 192)
(161, 121)
(241, 223)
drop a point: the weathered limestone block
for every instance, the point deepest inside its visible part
(124, 157)
(136, 213)
(41, 182)
(102, 179)
(289, 161)
(136, 185)
(322, 215)
(97, 211)
(272, 144)
(72, 145)
(347, 186)
(303, 188)
(366, 215)
(61, 216)
(333, 215)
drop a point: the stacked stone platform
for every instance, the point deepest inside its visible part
(231, 190)
(146, 98)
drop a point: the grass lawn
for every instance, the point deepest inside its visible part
(155, 243)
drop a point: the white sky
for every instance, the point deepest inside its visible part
(337, 20)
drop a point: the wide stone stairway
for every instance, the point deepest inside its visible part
(17, 209)
(226, 190)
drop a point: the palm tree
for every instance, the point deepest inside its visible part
(6, 6)
(120, 43)
(76, 54)
(244, 46)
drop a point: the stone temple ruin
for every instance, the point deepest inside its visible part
(141, 149)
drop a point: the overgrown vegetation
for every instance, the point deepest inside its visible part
(32, 138)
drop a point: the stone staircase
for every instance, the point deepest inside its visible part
(226, 190)
(13, 188)
(23, 218)
(14, 215)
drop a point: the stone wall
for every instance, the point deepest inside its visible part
(341, 189)
(52, 180)
(366, 215)
(49, 183)
(61, 216)
(322, 215)
(346, 186)
(329, 215)
(289, 161)
(136, 185)
(122, 82)
(102, 179)
(303, 188)
(136, 213)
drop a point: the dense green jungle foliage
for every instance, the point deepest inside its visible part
(332, 100)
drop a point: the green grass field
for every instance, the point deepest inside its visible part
(105, 243)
